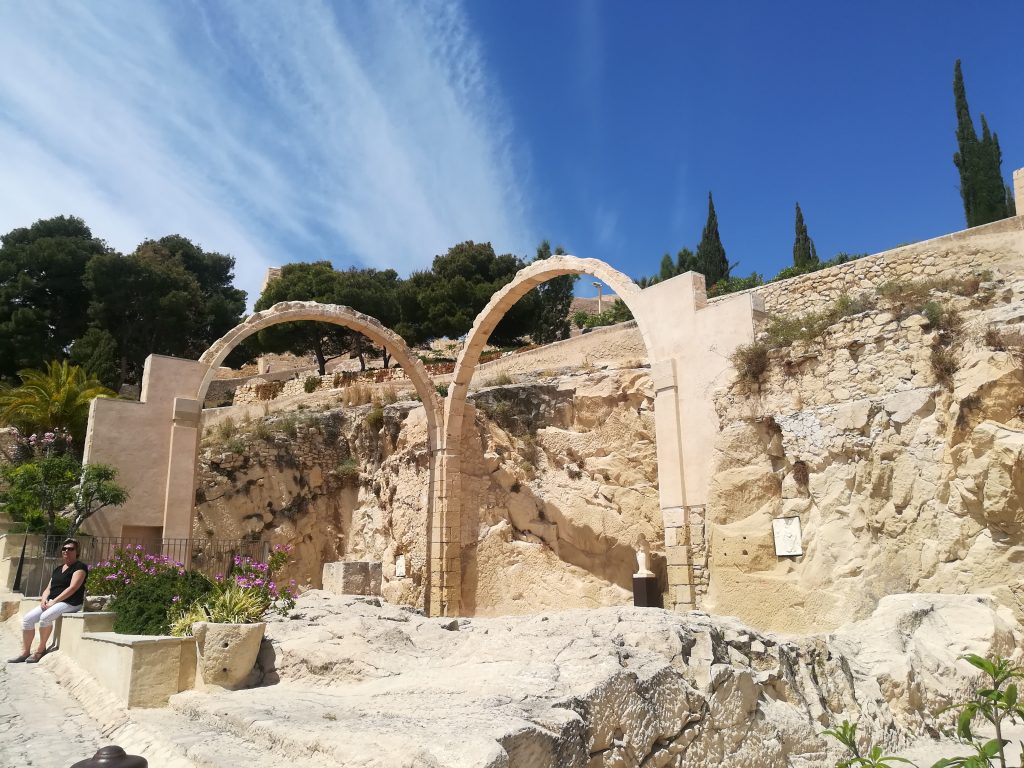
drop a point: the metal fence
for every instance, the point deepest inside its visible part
(210, 557)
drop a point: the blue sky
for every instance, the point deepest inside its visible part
(380, 133)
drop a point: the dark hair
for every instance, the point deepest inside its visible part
(74, 543)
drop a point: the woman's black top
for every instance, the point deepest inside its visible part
(61, 580)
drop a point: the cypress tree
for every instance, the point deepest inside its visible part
(804, 254)
(710, 259)
(667, 269)
(982, 189)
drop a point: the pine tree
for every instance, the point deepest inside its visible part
(710, 259)
(982, 189)
(667, 269)
(551, 321)
(804, 254)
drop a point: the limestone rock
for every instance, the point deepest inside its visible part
(353, 681)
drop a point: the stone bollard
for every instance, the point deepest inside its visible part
(112, 757)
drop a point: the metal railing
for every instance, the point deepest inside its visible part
(211, 557)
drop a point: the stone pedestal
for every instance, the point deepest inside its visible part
(355, 577)
(645, 592)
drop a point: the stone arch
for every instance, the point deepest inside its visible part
(371, 327)
(447, 599)
(291, 311)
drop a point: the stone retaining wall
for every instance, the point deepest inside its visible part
(970, 250)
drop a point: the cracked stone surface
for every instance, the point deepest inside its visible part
(357, 682)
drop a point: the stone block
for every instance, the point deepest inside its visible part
(353, 577)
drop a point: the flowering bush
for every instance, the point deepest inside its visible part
(125, 567)
(243, 596)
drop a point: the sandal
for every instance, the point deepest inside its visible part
(19, 659)
(34, 658)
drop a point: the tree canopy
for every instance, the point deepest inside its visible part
(985, 196)
(554, 298)
(54, 400)
(804, 253)
(43, 298)
(65, 294)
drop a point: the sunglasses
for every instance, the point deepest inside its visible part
(67, 549)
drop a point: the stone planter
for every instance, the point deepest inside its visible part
(226, 652)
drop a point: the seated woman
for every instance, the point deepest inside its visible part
(64, 594)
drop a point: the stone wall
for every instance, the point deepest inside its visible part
(975, 249)
(561, 487)
(901, 481)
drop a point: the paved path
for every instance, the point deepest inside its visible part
(41, 724)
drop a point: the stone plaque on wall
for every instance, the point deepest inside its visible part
(787, 536)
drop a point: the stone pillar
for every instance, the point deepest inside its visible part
(444, 554)
(179, 500)
(1018, 190)
(670, 487)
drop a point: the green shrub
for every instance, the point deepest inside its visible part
(226, 429)
(735, 284)
(311, 384)
(442, 390)
(374, 419)
(263, 431)
(750, 361)
(348, 472)
(143, 607)
(235, 445)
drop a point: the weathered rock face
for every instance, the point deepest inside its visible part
(352, 681)
(560, 489)
(901, 483)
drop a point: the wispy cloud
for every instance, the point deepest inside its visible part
(368, 133)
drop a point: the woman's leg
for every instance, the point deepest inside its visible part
(46, 620)
(28, 627)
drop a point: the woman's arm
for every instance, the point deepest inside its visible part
(77, 579)
(43, 596)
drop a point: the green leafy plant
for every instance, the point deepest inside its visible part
(751, 361)
(311, 384)
(996, 703)
(846, 734)
(143, 607)
(374, 418)
(348, 472)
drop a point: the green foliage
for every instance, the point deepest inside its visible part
(995, 701)
(228, 604)
(56, 399)
(735, 284)
(96, 353)
(241, 597)
(984, 195)
(442, 390)
(311, 384)
(167, 297)
(374, 418)
(784, 331)
(56, 494)
(142, 607)
(348, 472)
(846, 734)
(445, 300)
(617, 313)
(710, 259)
(804, 254)
(750, 361)
(43, 300)
(553, 299)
